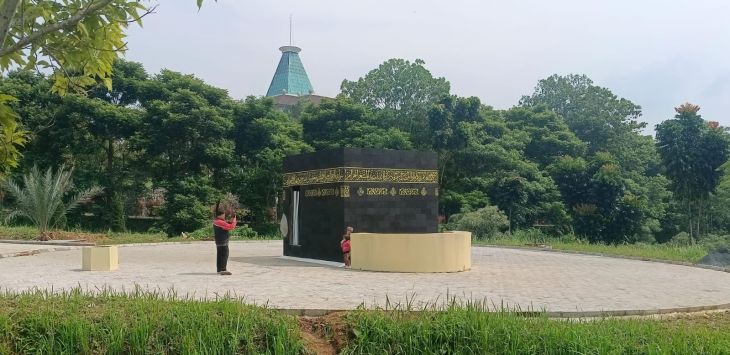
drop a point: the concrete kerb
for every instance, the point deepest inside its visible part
(304, 312)
(49, 242)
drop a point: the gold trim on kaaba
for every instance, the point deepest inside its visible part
(350, 175)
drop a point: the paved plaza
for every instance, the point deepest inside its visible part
(541, 280)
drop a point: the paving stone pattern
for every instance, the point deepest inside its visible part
(529, 279)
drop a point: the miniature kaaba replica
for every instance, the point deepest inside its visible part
(373, 191)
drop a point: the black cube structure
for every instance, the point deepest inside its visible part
(372, 190)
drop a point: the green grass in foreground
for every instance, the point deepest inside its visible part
(147, 323)
(467, 330)
(73, 322)
(689, 253)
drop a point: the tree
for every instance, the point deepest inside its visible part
(78, 40)
(550, 137)
(403, 92)
(597, 116)
(186, 127)
(41, 198)
(263, 136)
(184, 140)
(37, 106)
(718, 214)
(481, 161)
(129, 79)
(114, 122)
(107, 129)
(343, 123)
(599, 198)
(92, 134)
(187, 204)
(509, 192)
(12, 137)
(692, 151)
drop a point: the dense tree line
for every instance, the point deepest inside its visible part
(570, 158)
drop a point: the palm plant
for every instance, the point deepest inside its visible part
(41, 197)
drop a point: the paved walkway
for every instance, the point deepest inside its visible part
(541, 280)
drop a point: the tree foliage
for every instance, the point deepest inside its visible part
(597, 194)
(263, 136)
(569, 159)
(77, 40)
(597, 116)
(342, 123)
(402, 92)
(692, 152)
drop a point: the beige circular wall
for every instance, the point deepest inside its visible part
(428, 252)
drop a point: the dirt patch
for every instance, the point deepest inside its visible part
(63, 235)
(718, 320)
(27, 253)
(324, 335)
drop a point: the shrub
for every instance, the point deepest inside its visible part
(483, 223)
(680, 239)
(531, 235)
(41, 197)
(242, 231)
(187, 205)
(716, 243)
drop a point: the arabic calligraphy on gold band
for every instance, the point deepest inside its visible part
(342, 175)
(384, 191)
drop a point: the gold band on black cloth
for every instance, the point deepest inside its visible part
(344, 174)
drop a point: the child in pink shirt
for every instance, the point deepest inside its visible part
(345, 245)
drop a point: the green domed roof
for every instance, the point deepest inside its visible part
(290, 77)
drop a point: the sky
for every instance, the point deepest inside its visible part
(658, 54)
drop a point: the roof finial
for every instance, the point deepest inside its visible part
(290, 16)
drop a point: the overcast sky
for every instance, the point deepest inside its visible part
(658, 54)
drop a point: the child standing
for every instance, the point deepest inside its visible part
(345, 245)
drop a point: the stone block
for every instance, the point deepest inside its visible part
(100, 258)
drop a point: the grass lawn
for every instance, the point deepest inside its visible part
(30, 233)
(691, 253)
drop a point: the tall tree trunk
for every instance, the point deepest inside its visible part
(699, 217)
(690, 230)
(510, 221)
(110, 156)
(109, 214)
